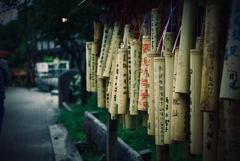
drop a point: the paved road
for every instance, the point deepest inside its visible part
(25, 134)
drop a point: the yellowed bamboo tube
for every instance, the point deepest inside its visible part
(151, 106)
(110, 55)
(98, 31)
(107, 94)
(144, 118)
(210, 133)
(136, 52)
(107, 35)
(159, 96)
(88, 66)
(221, 132)
(94, 58)
(210, 70)
(122, 95)
(187, 39)
(169, 41)
(155, 28)
(232, 127)
(231, 68)
(142, 100)
(169, 67)
(196, 115)
(101, 93)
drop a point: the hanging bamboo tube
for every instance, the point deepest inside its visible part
(88, 66)
(210, 133)
(221, 132)
(94, 58)
(142, 101)
(169, 41)
(122, 97)
(107, 94)
(155, 28)
(169, 65)
(151, 110)
(125, 35)
(231, 68)
(136, 52)
(186, 43)
(107, 35)
(232, 127)
(211, 49)
(159, 96)
(196, 115)
(98, 31)
(129, 121)
(101, 92)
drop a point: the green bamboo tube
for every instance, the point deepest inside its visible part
(155, 28)
(122, 95)
(159, 96)
(196, 115)
(136, 52)
(112, 49)
(98, 31)
(232, 127)
(210, 133)
(107, 35)
(221, 132)
(199, 43)
(187, 39)
(129, 121)
(169, 41)
(101, 93)
(88, 66)
(231, 68)
(94, 58)
(169, 67)
(142, 101)
(210, 70)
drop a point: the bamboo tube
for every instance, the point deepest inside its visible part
(101, 93)
(210, 70)
(122, 97)
(186, 43)
(151, 110)
(136, 52)
(107, 35)
(144, 29)
(232, 127)
(129, 121)
(155, 28)
(94, 57)
(159, 96)
(169, 41)
(199, 43)
(169, 65)
(88, 66)
(144, 118)
(142, 101)
(231, 68)
(98, 31)
(196, 116)
(125, 35)
(107, 94)
(221, 132)
(210, 133)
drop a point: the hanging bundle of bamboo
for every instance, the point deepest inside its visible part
(88, 66)
(94, 60)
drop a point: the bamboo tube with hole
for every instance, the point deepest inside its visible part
(151, 105)
(231, 69)
(122, 95)
(88, 66)
(155, 28)
(169, 67)
(98, 31)
(94, 60)
(196, 115)
(107, 35)
(136, 52)
(211, 49)
(210, 133)
(159, 96)
(232, 127)
(186, 43)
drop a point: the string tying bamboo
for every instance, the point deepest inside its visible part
(155, 28)
(88, 66)
(94, 58)
(186, 43)
(230, 78)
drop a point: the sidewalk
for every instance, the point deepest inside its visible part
(25, 134)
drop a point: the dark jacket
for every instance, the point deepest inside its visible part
(5, 77)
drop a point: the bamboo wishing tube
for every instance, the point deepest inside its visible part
(98, 31)
(122, 95)
(101, 92)
(231, 69)
(88, 66)
(169, 66)
(151, 110)
(210, 133)
(155, 28)
(107, 94)
(125, 35)
(210, 70)
(169, 41)
(196, 115)
(136, 52)
(129, 121)
(94, 58)
(107, 35)
(142, 100)
(159, 96)
(221, 132)
(232, 127)
(187, 39)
